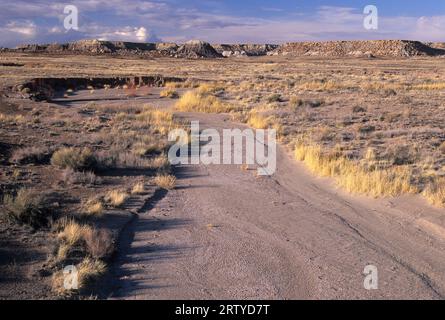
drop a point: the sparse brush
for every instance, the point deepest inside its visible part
(88, 271)
(276, 97)
(73, 233)
(209, 88)
(165, 181)
(155, 117)
(169, 93)
(34, 155)
(6, 118)
(160, 163)
(353, 177)
(27, 207)
(258, 121)
(69, 176)
(99, 243)
(138, 188)
(116, 198)
(93, 208)
(74, 158)
(435, 192)
(193, 101)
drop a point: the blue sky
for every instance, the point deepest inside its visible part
(230, 21)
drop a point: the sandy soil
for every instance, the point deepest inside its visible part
(226, 234)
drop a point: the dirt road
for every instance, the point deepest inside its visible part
(224, 233)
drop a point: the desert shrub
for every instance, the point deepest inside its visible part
(276, 97)
(88, 272)
(401, 154)
(258, 121)
(169, 93)
(314, 103)
(73, 233)
(99, 243)
(160, 163)
(27, 207)
(165, 181)
(93, 208)
(138, 188)
(116, 198)
(69, 176)
(358, 109)
(295, 102)
(6, 118)
(34, 155)
(442, 148)
(353, 177)
(435, 192)
(365, 129)
(193, 101)
(75, 158)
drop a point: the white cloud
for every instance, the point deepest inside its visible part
(136, 21)
(126, 34)
(26, 29)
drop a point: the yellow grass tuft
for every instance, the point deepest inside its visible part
(138, 188)
(6, 118)
(165, 181)
(93, 208)
(87, 271)
(193, 101)
(258, 121)
(73, 233)
(435, 192)
(353, 177)
(116, 198)
(169, 93)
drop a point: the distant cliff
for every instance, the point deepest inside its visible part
(196, 49)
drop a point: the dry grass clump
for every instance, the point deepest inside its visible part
(160, 163)
(74, 158)
(258, 121)
(69, 176)
(93, 208)
(99, 243)
(73, 233)
(27, 207)
(88, 271)
(138, 188)
(193, 101)
(435, 192)
(353, 177)
(33, 155)
(428, 86)
(322, 86)
(156, 119)
(169, 93)
(6, 118)
(165, 181)
(209, 88)
(116, 198)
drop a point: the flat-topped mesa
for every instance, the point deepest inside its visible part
(384, 48)
(197, 49)
(229, 50)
